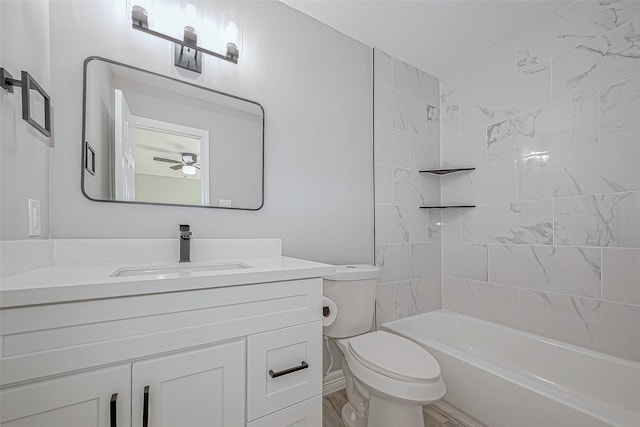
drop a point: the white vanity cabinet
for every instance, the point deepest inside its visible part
(227, 356)
(98, 398)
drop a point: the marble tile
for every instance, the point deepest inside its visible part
(390, 225)
(412, 115)
(433, 123)
(495, 183)
(621, 275)
(486, 106)
(495, 303)
(510, 223)
(425, 153)
(464, 260)
(601, 168)
(566, 270)
(414, 189)
(600, 325)
(604, 60)
(490, 69)
(619, 110)
(434, 225)
(413, 82)
(406, 299)
(382, 68)
(383, 184)
(394, 261)
(468, 149)
(570, 26)
(428, 293)
(451, 225)
(385, 303)
(402, 224)
(604, 220)
(398, 111)
(332, 409)
(392, 146)
(425, 260)
(449, 113)
(385, 107)
(566, 124)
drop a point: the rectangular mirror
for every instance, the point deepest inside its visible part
(153, 139)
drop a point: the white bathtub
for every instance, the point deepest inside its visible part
(504, 377)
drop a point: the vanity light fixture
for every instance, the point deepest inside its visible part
(188, 54)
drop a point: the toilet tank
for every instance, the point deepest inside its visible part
(353, 289)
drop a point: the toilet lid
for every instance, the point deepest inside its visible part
(394, 356)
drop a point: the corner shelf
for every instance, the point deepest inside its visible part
(448, 207)
(446, 171)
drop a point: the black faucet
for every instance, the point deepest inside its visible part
(185, 243)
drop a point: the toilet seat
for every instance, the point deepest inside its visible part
(387, 373)
(395, 357)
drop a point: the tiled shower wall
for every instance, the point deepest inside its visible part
(551, 120)
(407, 238)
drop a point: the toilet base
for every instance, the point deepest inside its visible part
(350, 417)
(385, 413)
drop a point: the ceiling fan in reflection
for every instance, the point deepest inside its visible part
(188, 164)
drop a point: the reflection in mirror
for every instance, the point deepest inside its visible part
(164, 141)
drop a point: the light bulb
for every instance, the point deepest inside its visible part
(188, 170)
(232, 34)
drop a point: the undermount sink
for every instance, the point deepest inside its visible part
(186, 269)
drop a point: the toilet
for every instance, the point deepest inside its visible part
(388, 377)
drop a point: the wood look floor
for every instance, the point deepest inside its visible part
(331, 407)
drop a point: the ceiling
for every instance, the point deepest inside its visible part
(436, 36)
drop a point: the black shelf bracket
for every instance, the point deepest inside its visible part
(28, 83)
(446, 171)
(448, 207)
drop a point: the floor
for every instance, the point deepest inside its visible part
(331, 406)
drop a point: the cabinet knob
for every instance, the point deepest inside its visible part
(303, 365)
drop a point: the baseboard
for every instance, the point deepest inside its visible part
(442, 411)
(334, 381)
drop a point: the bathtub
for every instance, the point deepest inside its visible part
(504, 377)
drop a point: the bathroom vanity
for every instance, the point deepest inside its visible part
(228, 342)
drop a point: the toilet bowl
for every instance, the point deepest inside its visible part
(388, 377)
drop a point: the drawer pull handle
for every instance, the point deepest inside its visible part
(145, 408)
(303, 365)
(113, 417)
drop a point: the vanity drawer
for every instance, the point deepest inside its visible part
(303, 414)
(283, 367)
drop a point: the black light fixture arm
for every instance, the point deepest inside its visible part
(27, 83)
(140, 27)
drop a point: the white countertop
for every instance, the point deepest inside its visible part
(68, 282)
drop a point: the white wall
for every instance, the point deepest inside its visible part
(24, 152)
(165, 189)
(315, 86)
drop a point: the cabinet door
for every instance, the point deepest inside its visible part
(203, 388)
(99, 398)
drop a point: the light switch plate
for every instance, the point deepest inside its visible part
(35, 220)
